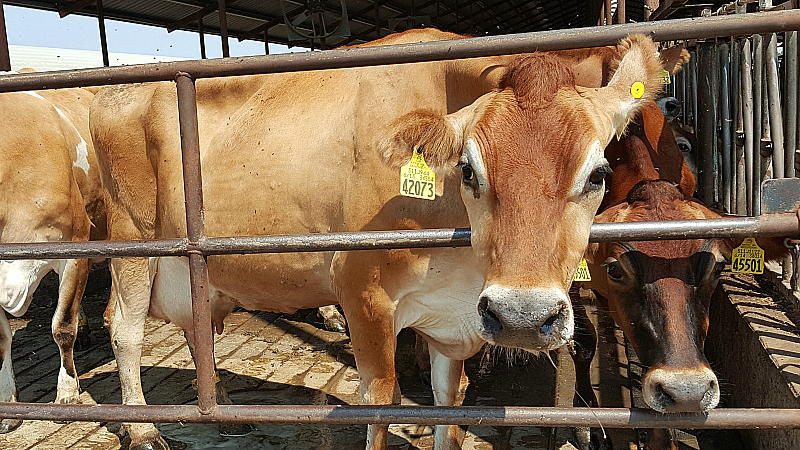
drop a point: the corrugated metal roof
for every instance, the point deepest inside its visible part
(247, 19)
(45, 59)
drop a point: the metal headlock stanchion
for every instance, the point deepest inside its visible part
(197, 246)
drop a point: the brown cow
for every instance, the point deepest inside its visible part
(516, 144)
(658, 292)
(49, 183)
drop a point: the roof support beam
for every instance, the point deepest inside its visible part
(74, 7)
(101, 21)
(223, 27)
(202, 39)
(5, 59)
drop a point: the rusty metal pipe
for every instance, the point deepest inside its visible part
(744, 418)
(779, 224)
(663, 30)
(790, 124)
(195, 232)
(706, 122)
(748, 116)
(758, 120)
(727, 150)
(774, 99)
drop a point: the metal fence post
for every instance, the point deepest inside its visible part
(195, 232)
(706, 123)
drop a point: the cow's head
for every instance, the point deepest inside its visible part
(530, 158)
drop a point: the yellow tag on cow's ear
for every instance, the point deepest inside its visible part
(748, 257)
(637, 89)
(582, 274)
(417, 179)
(666, 78)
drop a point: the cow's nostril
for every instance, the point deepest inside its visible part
(663, 396)
(550, 322)
(491, 323)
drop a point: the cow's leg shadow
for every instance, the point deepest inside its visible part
(225, 429)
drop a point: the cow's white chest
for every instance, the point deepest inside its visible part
(442, 302)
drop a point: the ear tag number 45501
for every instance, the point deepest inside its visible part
(417, 179)
(748, 257)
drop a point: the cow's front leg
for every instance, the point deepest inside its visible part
(8, 386)
(73, 275)
(449, 383)
(371, 319)
(125, 318)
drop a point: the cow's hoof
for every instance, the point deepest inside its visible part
(591, 439)
(235, 429)
(155, 443)
(9, 425)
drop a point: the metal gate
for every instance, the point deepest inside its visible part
(197, 246)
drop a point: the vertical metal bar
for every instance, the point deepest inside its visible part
(266, 42)
(5, 58)
(609, 16)
(693, 84)
(223, 28)
(620, 11)
(774, 99)
(758, 121)
(377, 20)
(748, 114)
(684, 89)
(101, 20)
(456, 13)
(202, 38)
(725, 119)
(705, 123)
(195, 232)
(790, 64)
(736, 122)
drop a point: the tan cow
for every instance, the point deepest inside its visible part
(518, 151)
(49, 180)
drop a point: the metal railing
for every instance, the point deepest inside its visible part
(197, 246)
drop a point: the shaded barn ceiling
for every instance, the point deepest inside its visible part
(298, 22)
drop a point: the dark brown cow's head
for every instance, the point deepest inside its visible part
(530, 158)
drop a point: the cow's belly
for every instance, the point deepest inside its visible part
(442, 302)
(255, 282)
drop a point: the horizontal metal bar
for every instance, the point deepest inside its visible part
(424, 415)
(665, 30)
(766, 225)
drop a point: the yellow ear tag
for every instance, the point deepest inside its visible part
(582, 274)
(748, 257)
(666, 78)
(637, 89)
(417, 179)
(622, 131)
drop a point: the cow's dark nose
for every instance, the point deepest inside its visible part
(531, 319)
(670, 107)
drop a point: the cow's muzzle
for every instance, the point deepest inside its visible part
(680, 390)
(530, 319)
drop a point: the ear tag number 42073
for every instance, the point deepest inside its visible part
(582, 274)
(748, 258)
(417, 179)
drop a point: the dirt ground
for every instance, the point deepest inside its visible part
(268, 358)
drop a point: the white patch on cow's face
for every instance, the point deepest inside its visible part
(594, 161)
(18, 280)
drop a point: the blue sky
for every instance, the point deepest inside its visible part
(39, 28)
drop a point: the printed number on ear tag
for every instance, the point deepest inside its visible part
(417, 179)
(748, 257)
(666, 78)
(582, 274)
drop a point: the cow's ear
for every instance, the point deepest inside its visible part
(635, 82)
(674, 58)
(440, 137)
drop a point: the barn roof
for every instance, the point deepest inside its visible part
(291, 21)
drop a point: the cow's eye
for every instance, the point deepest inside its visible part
(597, 177)
(614, 270)
(466, 172)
